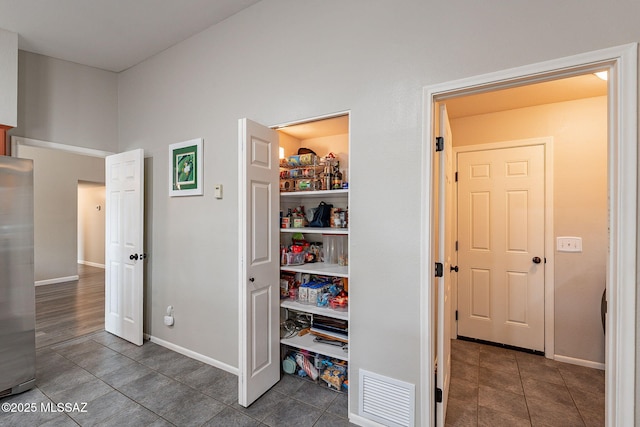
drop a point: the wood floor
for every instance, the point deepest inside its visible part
(71, 309)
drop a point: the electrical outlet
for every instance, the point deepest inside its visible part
(569, 244)
(168, 319)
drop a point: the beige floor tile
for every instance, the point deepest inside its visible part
(464, 370)
(463, 390)
(541, 372)
(461, 414)
(590, 406)
(500, 380)
(494, 386)
(553, 414)
(465, 351)
(546, 391)
(502, 401)
(489, 418)
(582, 378)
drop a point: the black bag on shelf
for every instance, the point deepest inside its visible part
(321, 215)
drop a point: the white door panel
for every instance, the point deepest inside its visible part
(480, 293)
(259, 263)
(446, 254)
(124, 257)
(500, 231)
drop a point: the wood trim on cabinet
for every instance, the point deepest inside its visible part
(4, 151)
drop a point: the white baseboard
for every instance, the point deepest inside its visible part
(91, 264)
(192, 354)
(56, 280)
(579, 362)
(361, 421)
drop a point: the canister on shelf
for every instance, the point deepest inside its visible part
(329, 249)
(287, 185)
(336, 181)
(336, 218)
(326, 184)
(342, 250)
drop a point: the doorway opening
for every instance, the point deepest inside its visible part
(91, 226)
(294, 167)
(69, 295)
(621, 182)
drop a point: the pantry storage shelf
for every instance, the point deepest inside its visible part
(306, 342)
(300, 194)
(316, 193)
(342, 313)
(316, 230)
(319, 268)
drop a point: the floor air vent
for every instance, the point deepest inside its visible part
(386, 400)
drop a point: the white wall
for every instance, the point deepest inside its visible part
(283, 60)
(67, 103)
(55, 186)
(62, 102)
(8, 78)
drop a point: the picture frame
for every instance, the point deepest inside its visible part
(185, 168)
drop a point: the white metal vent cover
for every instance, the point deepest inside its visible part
(386, 400)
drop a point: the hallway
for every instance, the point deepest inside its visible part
(71, 309)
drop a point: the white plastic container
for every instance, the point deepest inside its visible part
(329, 249)
(342, 250)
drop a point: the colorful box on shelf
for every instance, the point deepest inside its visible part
(302, 160)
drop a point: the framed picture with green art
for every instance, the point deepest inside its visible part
(185, 164)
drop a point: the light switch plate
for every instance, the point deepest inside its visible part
(569, 244)
(218, 191)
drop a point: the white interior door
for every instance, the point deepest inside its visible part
(124, 252)
(445, 232)
(259, 262)
(501, 246)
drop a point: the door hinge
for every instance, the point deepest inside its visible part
(456, 176)
(439, 143)
(439, 269)
(456, 245)
(456, 315)
(438, 395)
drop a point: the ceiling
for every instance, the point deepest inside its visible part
(561, 90)
(117, 34)
(316, 129)
(110, 34)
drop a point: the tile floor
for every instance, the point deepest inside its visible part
(126, 385)
(492, 386)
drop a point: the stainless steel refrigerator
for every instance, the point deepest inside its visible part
(17, 292)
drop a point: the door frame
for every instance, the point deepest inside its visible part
(19, 141)
(549, 252)
(242, 242)
(622, 139)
